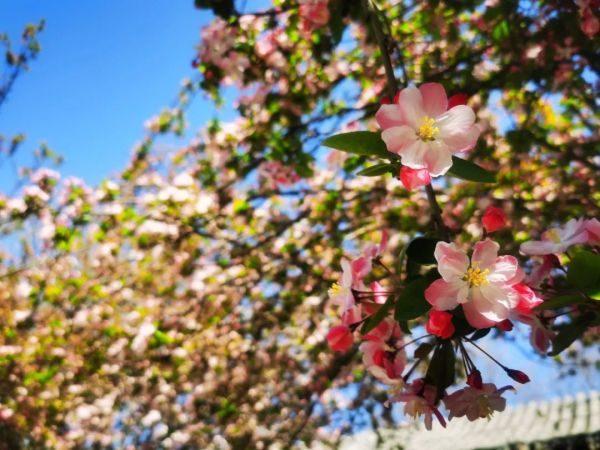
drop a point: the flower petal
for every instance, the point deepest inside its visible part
(459, 119)
(452, 262)
(442, 295)
(462, 141)
(539, 248)
(435, 101)
(389, 116)
(438, 159)
(485, 253)
(475, 318)
(398, 138)
(503, 270)
(414, 154)
(411, 103)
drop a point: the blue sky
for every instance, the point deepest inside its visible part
(105, 67)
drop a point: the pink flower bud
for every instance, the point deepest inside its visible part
(414, 178)
(518, 376)
(493, 219)
(474, 379)
(340, 338)
(440, 324)
(457, 99)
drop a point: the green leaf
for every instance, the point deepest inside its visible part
(423, 350)
(570, 333)
(377, 169)
(467, 170)
(560, 302)
(584, 270)
(421, 250)
(482, 332)
(440, 372)
(411, 302)
(376, 318)
(360, 143)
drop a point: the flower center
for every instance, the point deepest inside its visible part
(476, 277)
(335, 290)
(428, 131)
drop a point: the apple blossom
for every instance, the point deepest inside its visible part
(340, 338)
(476, 403)
(558, 240)
(423, 132)
(382, 355)
(419, 400)
(592, 227)
(483, 285)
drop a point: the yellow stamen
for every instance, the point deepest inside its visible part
(476, 277)
(428, 131)
(334, 290)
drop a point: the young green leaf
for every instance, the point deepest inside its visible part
(467, 170)
(571, 332)
(584, 270)
(421, 250)
(376, 170)
(411, 302)
(366, 143)
(376, 318)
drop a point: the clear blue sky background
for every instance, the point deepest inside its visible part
(105, 67)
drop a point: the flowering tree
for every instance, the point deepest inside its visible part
(197, 300)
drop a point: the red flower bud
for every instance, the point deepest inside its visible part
(517, 375)
(505, 325)
(457, 99)
(340, 338)
(440, 324)
(493, 219)
(414, 178)
(474, 379)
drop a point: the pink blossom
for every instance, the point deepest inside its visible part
(440, 324)
(476, 403)
(423, 132)
(592, 227)
(419, 399)
(541, 336)
(314, 14)
(558, 240)
(340, 338)
(493, 219)
(483, 285)
(381, 353)
(414, 178)
(541, 271)
(276, 174)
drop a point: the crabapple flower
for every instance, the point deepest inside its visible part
(414, 178)
(440, 324)
(381, 353)
(483, 285)
(476, 403)
(592, 227)
(493, 219)
(314, 14)
(558, 240)
(541, 272)
(340, 338)
(419, 399)
(527, 299)
(421, 129)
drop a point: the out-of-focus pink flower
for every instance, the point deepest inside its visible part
(340, 338)
(419, 400)
(276, 174)
(414, 178)
(541, 336)
(421, 129)
(483, 285)
(590, 24)
(474, 379)
(440, 324)
(381, 355)
(476, 403)
(541, 272)
(558, 240)
(372, 251)
(493, 219)
(314, 14)
(592, 227)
